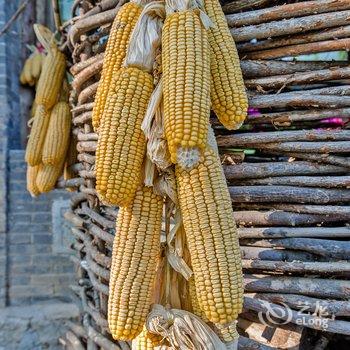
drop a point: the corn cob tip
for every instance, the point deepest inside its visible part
(188, 158)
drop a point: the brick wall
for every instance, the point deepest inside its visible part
(3, 157)
(38, 256)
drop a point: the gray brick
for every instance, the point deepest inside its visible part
(19, 280)
(19, 217)
(37, 228)
(20, 259)
(42, 248)
(41, 217)
(29, 269)
(42, 239)
(18, 238)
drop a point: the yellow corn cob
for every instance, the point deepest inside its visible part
(48, 176)
(135, 256)
(186, 79)
(37, 136)
(115, 53)
(146, 341)
(57, 136)
(228, 94)
(212, 239)
(51, 78)
(26, 74)
(121, 143)
(37, 62)
(32, 188)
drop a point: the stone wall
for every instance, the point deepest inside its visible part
(39, 267)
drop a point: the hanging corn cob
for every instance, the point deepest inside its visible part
(212, 239)
(26, 76)
(32, 172)
(37, 136)
(51, 78)
(186, 78)
(47, 177)
(228, 95)
(57, 136)
(115, 53)
(121, 145)
(136, 250)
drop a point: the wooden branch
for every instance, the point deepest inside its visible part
(87, 137)
(309, 304)
(97, 269)
(78, 67)
(75, 220)
(95, 216)
(238, 5)
(262, 170)
(297, 116)
(288, 194)
(87, 94)
(308, 181)
(343, 90)
(86, 146)
(285, 232)
(82, 118)
(13, 18)
(82, 108)
(327, 248)
(286, 11)
(320, 268)
(291, 99)
(298, 78)
(304, 38)
(87, 73)
(258, 253)
(316, 209)
(281, 218)
(102, 7)
(300, 49)
(307, 147)
(320, 158)
(86, 24)
(99, 233)
(291, 26)
(251, 139)
(86, 158)
(316, 287)
(262, 69)
(333, 326)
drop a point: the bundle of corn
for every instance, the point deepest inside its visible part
(285, 179)
(50, 131)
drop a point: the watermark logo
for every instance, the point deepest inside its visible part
(314, 316)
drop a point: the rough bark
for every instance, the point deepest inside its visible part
(263, 170)
(291, 26)
(300, 49)
(284, 232)
(288, 194)
(282, 218)
(250, 139)
(286, 11)
(308, 181)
